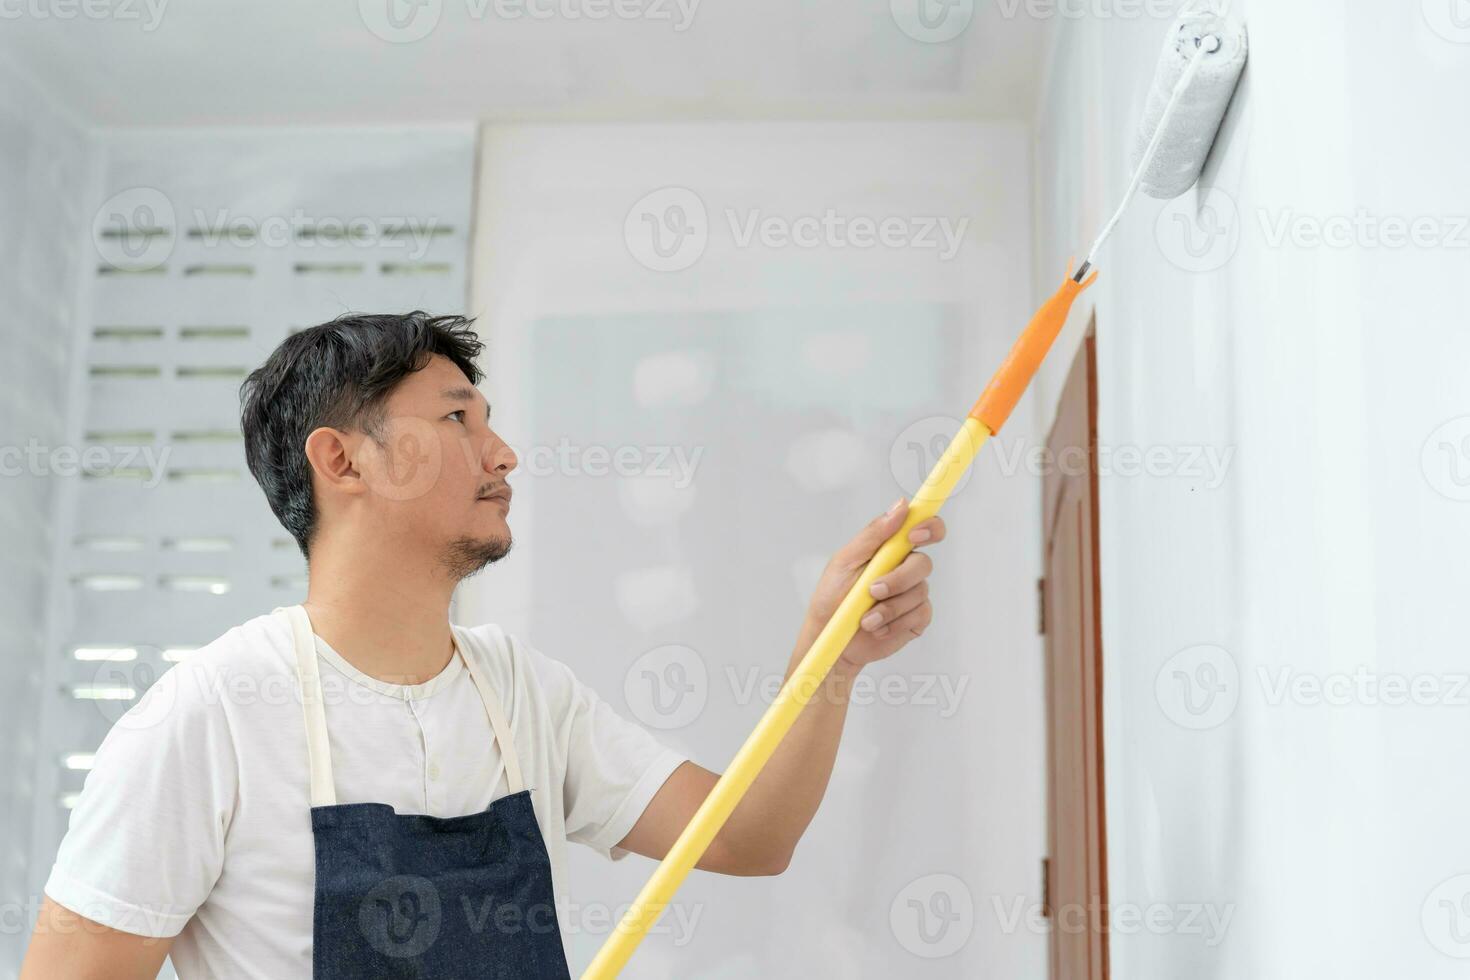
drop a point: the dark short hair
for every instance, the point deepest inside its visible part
(337, 374)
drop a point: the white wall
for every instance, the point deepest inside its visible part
(46, 180)
(1335, 544)
(777, 363)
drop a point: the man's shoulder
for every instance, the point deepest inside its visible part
(254, 655)
(258, 646)
(512, 661)
(499, 654)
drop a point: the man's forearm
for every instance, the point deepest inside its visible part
(784, 797)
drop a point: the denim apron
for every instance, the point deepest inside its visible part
(405, 895)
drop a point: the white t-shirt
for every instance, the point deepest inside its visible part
(195, 819)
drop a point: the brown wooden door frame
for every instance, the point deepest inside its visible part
(1076, 867)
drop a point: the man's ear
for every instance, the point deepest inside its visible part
(330, 453)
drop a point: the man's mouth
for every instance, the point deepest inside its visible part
(503, 495)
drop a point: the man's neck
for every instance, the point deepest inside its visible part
(386, 617)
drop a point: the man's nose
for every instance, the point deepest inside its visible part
(499, 458)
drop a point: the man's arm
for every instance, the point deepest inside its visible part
(144, 844)
(761, 834)
(67, 945)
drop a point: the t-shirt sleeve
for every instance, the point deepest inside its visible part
(146, 839)
(614, 768)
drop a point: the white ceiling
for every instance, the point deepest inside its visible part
(197, 62)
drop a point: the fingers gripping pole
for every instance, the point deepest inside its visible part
(807, 679)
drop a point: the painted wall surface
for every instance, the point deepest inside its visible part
(817, 376)
(46, 184)
(1284, 627)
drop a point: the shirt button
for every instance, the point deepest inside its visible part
(433, 770)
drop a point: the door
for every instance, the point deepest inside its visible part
(1076, 868)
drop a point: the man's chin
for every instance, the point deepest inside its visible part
(466, 556)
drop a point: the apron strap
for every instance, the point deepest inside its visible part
(319, 750)
(309, 681)
(497, 722)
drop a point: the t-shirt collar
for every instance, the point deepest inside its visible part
(403, 692)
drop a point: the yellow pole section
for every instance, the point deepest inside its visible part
(799, 689)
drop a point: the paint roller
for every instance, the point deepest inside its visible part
(1199, 69)
(1201, 66)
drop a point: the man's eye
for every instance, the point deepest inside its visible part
(457, 415)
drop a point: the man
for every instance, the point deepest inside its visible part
(355, 787)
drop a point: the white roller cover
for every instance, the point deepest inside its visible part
(1182, 152)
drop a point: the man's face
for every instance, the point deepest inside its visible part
(437, 472)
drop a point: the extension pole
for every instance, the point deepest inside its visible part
(986, 418)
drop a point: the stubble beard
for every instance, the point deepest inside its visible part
(466, 556)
